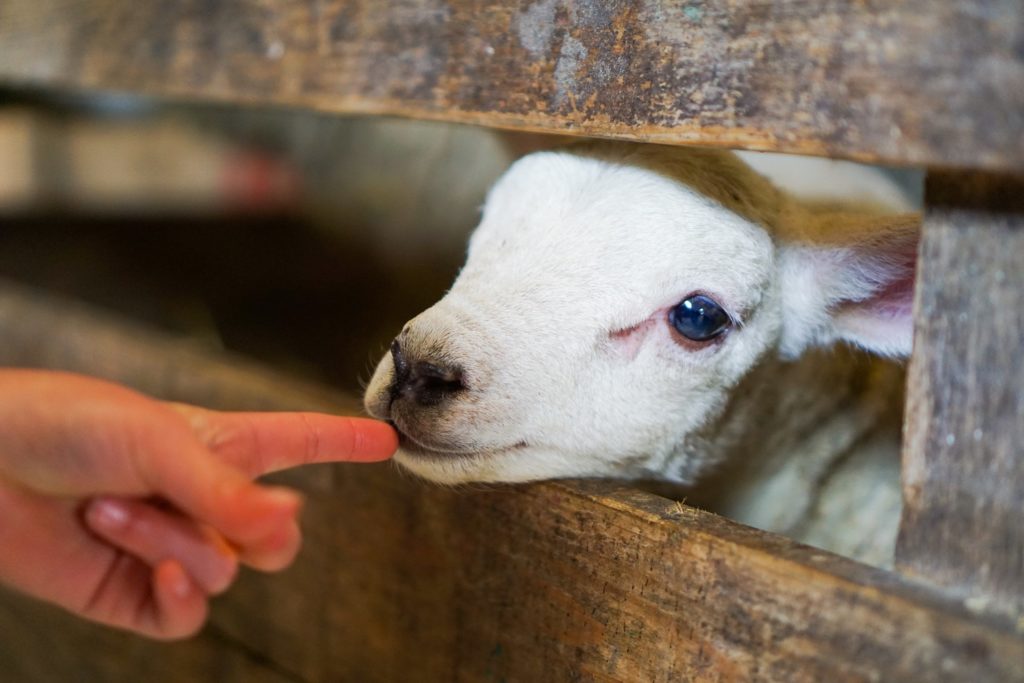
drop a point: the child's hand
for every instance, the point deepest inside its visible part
(133, 512)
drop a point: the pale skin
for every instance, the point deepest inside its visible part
(134, 512)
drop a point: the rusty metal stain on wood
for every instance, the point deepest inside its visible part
(963, 460)
(936, 82)
(561, 581)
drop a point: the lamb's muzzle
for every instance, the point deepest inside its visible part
(431, 384)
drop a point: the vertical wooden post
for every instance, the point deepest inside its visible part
(963, 454)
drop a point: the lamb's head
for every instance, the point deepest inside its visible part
(613, 296)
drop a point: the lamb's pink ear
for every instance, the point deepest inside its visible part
(854, 283)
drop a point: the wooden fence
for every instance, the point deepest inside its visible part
(575, 581)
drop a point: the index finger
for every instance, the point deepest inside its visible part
(260, 443)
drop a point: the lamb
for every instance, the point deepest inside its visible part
(668, 314)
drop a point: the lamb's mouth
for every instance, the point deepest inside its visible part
(412, 448)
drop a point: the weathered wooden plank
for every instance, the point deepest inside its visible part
(578, 582)
(938, 82)
(561, 581)
(963, 456)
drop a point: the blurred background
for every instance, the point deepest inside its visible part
(301, 239)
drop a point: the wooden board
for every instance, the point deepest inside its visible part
(937, 82)
(401, 581)
(963, 455)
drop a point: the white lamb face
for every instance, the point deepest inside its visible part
(609, 304)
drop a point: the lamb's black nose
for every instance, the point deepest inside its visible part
(426, 381)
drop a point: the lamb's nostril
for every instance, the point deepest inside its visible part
(431, 383)
(401, 376)
(426, 382)
(401, 366)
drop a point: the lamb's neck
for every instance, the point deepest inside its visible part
(787, 425)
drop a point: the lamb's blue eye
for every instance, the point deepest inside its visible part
(699, 318)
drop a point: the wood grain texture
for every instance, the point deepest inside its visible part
(575, 581)
(964, 442)
(937, 82)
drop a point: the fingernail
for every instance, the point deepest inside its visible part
(109, 514)
(180, 583)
